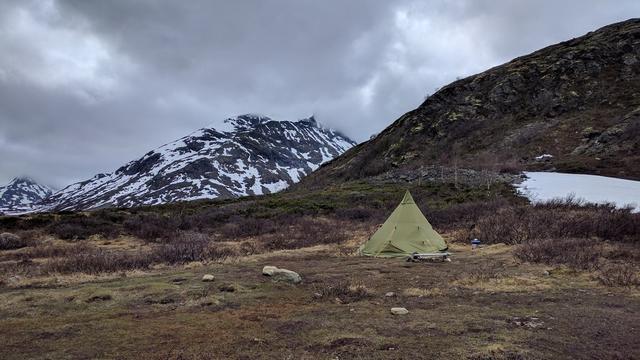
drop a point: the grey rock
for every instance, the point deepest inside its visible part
(208, 278)
(399, 311)
(285, 275)
(268, 270)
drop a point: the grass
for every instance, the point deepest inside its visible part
(170, 313)
(116, 283)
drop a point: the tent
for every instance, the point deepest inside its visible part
(406, 231)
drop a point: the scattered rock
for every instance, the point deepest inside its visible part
(546, 273)
(390, 294)
(317, 295)
(399, 311)
(268, 270)
(14, 280)
(99, 297)
(178, 280)
(208, 278)
(227, 288)
(287, 276)
(529, 322)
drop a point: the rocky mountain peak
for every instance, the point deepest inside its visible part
(21, 193)
(246, 155)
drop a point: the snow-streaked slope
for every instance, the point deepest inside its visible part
(21, 194)
(541, 186)
(247, 155)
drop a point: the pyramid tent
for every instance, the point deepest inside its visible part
(406, 231)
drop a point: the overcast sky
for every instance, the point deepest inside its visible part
(86, 86)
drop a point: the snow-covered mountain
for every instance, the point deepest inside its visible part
(21, 194)
(248, 155)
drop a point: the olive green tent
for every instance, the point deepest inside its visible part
(406, 231)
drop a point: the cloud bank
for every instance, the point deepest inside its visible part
(86, 86)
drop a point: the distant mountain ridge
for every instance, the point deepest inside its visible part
(247, 155)
(570, 107)
(21, 194)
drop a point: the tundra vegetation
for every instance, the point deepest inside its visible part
(113, 283)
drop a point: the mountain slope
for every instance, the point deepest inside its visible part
(572, 107)
(21, 194)
(251, 155)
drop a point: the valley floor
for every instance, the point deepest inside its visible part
(483, 305)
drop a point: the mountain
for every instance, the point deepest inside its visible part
(248, 155)
(570, 107)
(21, 194)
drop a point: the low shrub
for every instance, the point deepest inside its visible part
(577, 253)
(344, 291)
(152, 227)
(243, 226)
(619, 275)
(485, 272)
(81, 227)
(188, 247)
(9, 241)
(98, 261)
(566, 218)
(52, 251)
(357, 213)
(305, 232)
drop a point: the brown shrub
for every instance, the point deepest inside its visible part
(485, 272)
(190, 246)
(305, 232)
(152, 227)
(342, 290)
(619, 275)
(9, 241)
(98, 261)
(52, 251)
(566, 218)
(577, 253)
(463, 215)
(243, 226)
(357, 213)
(81, 227)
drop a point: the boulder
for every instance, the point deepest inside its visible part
(286, 276)
(208, 278)
(399, 311)
(390, 294)
(268, 270)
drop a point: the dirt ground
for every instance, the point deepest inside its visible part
(482, 305)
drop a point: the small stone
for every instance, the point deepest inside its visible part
(208, 278)
(390, 294)
(269, 270)
(227, 288)
(317, 295)
(546, 273)
(14, 279)
(399, 311)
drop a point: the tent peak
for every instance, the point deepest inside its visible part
(407, 199)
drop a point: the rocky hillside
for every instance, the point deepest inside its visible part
(21, 194)
(249, 155)
(572, 107)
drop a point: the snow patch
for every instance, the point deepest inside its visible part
(543, 186)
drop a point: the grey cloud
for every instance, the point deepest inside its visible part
(88, 85)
